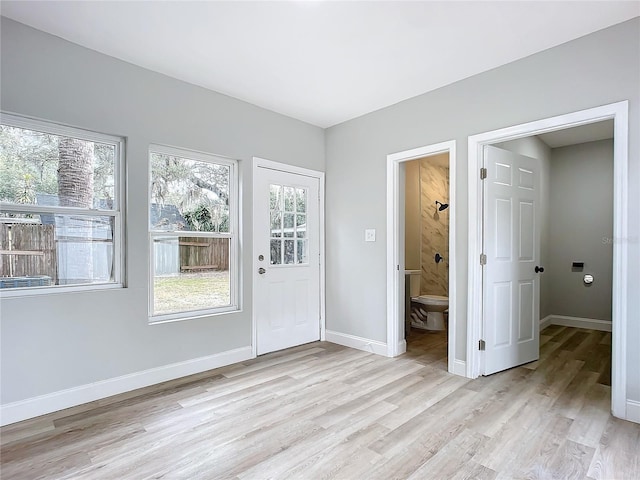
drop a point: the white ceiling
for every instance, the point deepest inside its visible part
(323, 62)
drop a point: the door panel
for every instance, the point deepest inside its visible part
(287, 279)
(511, 286)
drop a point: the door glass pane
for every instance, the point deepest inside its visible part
(301, 254)
(276, 224)
(276, 252)
(275, 197)
(301, 200)
(289, 253)
(288, 224)
(289, 199)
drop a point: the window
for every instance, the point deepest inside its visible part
(60, 207)
(193, 234)
(288, 216)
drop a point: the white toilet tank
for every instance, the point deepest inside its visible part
(414, 282)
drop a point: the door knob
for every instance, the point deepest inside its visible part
(539, 269)
(261, 271)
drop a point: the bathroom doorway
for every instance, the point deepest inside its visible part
(422, 173)
(426, 257)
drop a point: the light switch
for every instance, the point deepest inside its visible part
(370, 235)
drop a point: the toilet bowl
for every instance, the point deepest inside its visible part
(427, 311)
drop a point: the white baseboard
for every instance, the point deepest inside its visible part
(459, 368)
(400, 348)
(633, 411)
(52, 402)
(352, 341)
(545, 322)
(589, 323)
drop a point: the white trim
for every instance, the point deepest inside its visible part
(633, 411)
(578, 322)
(545, 322)
(395, 264)
(619, 112)
(283, 167)
(52, 402)
(459, 368)
(359, 343)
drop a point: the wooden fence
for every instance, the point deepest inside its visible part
(190, 254)
(197, 253)
(28, 250)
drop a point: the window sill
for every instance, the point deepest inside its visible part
(195, 315)
(59, 289)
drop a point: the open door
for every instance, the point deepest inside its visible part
(511, 286)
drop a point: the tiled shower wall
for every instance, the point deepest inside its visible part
(434, 185)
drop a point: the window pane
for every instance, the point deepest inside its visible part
(190, 273)
(56, 249)
(188, 195)
(38, 168)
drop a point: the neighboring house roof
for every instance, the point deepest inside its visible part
(166, 217)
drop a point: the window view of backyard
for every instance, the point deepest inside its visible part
(50, 188)
(190, 233)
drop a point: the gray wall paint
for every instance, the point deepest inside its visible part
(536, 148)
(412, 216)
(581, 228)
(54, 342)
(597, 69)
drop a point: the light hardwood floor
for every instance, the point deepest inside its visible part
(323, 411)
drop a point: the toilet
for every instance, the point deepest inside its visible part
(427, 311)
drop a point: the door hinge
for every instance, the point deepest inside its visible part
(481, 345)
(483, 259)
(483, 173)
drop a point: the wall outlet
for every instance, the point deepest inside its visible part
(370, 235)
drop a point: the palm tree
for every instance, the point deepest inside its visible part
(75, 189)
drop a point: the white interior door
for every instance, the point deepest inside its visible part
(287, 259)
(511, 286)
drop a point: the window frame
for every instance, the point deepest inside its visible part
(117, 213)
(233, 235)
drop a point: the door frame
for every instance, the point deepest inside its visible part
(283, 167)
(396, 344)
(619, 112)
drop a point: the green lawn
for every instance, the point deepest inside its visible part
(190, 291)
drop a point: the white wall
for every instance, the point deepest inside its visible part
(597, 69)
(55, 342)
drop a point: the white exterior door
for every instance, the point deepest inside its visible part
(286, 259)
(511, 286)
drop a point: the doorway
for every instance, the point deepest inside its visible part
(396, 281)
(288, 260)
(426, 258)
(479, 234)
